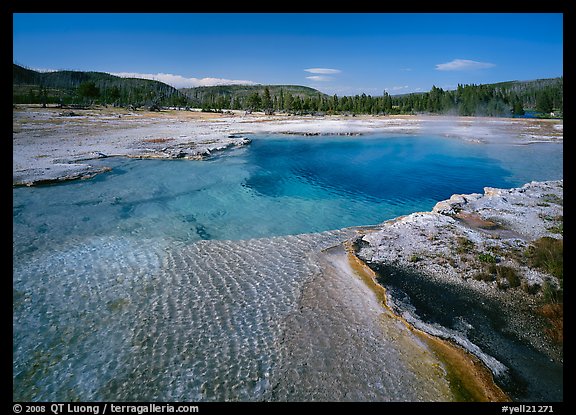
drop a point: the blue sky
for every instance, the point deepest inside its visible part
(337, 53)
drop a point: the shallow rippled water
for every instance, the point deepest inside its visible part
(121, 318)
(185, 280)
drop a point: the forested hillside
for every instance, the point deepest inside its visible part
(76, 87)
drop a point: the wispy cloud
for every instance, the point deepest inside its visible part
(178, 81)
(396, 88)
(463, 65)
(323, 71)
(319, 78)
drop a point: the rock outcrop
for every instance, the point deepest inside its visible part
(484, 271)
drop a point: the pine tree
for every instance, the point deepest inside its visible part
(544, 102)
(267, 101)
(288, 102)
(89, 90)
(254, 101)
(517, 108)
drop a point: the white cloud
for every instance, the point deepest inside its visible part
(463, 65)
(324, 71)
(178, 81)
(319, 78)
(396, 88)
(45, 70)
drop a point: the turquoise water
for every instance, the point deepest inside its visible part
(172, 280)
(275, 186)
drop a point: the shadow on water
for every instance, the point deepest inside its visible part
(531, 375)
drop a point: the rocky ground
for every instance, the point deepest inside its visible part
(466, 231)
(491, 265)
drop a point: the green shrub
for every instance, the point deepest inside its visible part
(415, 258)
(487, 258)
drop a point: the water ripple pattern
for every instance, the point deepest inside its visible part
(124, 319)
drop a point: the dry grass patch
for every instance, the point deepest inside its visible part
(476, 221)
(554, 313)
(547, 254)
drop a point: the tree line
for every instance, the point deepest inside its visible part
(466, 100)
(502, 99)
(102, 93)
